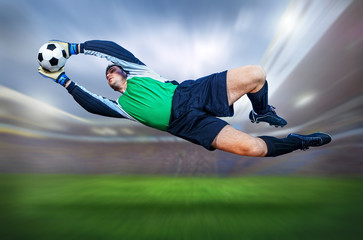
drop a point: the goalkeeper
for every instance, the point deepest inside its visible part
(189, 110)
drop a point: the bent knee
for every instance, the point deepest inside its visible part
(255, 148)
(258, 73)
(252, 151)
(254, 73)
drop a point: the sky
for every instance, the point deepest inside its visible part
(178, 39)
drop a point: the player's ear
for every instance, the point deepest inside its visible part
(124, 73)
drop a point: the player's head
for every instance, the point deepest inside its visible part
(116, 76)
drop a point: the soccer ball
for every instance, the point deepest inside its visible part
(52, 56)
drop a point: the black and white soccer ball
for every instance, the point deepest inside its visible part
(52, 56)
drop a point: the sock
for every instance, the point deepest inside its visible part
(259, 100)
(280, 146)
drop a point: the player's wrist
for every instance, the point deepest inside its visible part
(73, 49)
(67, 83)
(70, 86)
(62, 79)
(81, 48)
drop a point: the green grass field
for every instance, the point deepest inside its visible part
(139, 207)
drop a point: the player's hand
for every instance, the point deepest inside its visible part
(59, 77)
(70, 48)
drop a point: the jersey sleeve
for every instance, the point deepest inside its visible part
(96, 104)
(120, 56)
(110, 50)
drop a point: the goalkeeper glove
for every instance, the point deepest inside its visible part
(58, 77)
(70, 48)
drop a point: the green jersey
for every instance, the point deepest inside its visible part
(148, 96)
(148, 101)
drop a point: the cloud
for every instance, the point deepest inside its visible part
(178, 39)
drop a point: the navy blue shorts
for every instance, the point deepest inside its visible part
(196, 106)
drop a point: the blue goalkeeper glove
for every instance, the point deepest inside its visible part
(70, 48)
(59, 77)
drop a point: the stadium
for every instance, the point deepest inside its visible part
(64, 174)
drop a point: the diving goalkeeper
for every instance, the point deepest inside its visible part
(189, 110)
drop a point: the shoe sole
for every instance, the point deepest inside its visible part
(275, 125)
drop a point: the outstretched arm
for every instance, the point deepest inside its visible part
(109, 50)
(115, 54)
(94, 103)
(119, 56)
(89, 101)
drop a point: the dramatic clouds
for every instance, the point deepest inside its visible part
(178, 39)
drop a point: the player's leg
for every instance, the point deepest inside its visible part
(243, 80)
(250, 80)
(232, 140)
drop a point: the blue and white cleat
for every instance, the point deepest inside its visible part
(269, 117)
(313, 140)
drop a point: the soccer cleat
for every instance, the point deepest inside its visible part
(313, 140)
(269, 117)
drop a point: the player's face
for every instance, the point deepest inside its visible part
(115, 77)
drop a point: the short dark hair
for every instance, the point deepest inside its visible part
(112, 65)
